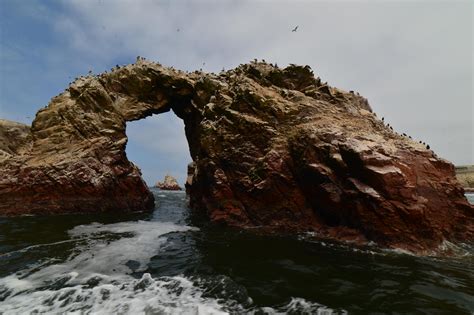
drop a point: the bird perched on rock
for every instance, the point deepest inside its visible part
(383, 118)
(295, 29)
(428, 146)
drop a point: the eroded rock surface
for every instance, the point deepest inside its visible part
(465, 176)
(14, 138)
(272, 148)
(169, 183)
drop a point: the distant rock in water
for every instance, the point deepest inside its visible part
(274, 149)
(465, 175)
(169, 183)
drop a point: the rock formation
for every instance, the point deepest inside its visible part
(465, 176)
(169, 183)
(14, 139)
(272, 148)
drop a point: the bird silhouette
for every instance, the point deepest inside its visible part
(295, 29)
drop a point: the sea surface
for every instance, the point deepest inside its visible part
(169, 262)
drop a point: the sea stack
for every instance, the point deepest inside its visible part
(169, 183)
(272, 149)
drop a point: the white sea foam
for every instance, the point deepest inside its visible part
(165, 295)
(97, 279)
(299, 306)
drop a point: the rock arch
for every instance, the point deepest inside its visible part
(76, 161)
(272, 148)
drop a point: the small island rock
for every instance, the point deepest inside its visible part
(169, 183)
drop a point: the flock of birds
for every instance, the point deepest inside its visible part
(405, 135)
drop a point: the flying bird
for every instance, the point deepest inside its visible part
(296, 28)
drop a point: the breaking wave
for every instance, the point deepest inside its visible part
(107, 273)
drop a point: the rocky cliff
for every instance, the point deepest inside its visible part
(272, 148)
(169, 183)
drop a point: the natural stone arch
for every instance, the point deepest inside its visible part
(77, 161)
(272, 148)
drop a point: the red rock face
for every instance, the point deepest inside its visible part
(78, 186)
(273, 149)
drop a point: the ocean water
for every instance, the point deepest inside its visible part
(169, 262)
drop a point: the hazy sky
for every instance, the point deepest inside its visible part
(412, 60)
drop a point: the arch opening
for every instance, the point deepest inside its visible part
(157, 144)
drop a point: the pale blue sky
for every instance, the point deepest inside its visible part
(412, 60)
